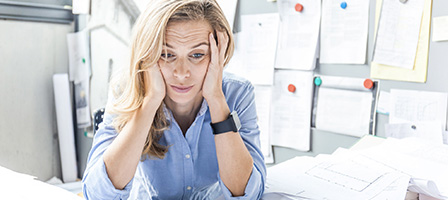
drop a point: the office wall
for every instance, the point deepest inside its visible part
(30, 53)
(327, 142)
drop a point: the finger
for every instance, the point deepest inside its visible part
(223, 40)
(214, 58)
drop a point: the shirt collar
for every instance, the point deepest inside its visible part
(202, 110)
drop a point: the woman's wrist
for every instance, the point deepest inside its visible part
(219, 110)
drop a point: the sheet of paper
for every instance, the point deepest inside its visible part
(344, 111)
(431, 131)
(263, 96)
(81, 6)
(258, 40)
(229, 9)
(420, 159)
(298, 34)
(384, 103)
(291, 111)
(344, 32)
(411, 106)
(440, 29)
(398, 33)
(418, 74)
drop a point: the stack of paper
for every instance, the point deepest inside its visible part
(384, 171)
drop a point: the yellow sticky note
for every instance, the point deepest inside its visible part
(418, 74)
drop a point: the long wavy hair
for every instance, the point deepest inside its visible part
(148, 36)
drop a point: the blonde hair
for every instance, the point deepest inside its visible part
(147, 41)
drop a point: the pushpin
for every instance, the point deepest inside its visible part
(83, 60)
(403, 1)
(344, 5)
(299, 7)
(368, 83)
(291, 88)
(317, 81)
(414, 127)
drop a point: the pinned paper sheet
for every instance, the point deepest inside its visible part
(344, 105)
(419, 71)
(411, 106)
(291, 110)
(398, 33)
(229, 9)
(256, 43)
(298, 34)
(344, 32)
(263, 96)
(440, 29)
(431, 131)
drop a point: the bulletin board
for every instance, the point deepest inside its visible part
(327, 142)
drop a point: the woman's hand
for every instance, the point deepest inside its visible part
(212, 86)
(154, 84)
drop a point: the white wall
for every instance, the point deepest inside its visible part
(30, 53)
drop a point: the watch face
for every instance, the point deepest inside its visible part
(236, 120)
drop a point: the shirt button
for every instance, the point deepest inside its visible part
(187, 156)
(188, 188)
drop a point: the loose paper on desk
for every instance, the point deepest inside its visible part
(298, 35)
(418, 74)
(229, 9)
(291, 111)
(440, 29)
(411, 106)
(398, 33)
(263, 96)
(431, 131)
(258, 40)
(80, 72)
(344, 32)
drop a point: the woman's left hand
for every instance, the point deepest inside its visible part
(212, 86)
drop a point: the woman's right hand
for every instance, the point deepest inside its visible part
(154, 84)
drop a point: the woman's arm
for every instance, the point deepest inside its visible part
(122, 156)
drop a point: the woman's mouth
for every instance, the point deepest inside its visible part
(181, 89)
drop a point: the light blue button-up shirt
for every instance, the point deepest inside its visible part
(190, 167)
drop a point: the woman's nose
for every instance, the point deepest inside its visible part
(182, 69)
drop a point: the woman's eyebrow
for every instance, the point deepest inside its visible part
(200, 44)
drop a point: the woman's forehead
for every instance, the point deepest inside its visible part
(186, 31)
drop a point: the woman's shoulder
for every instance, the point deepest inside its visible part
(232, 80)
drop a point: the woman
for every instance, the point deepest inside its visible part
(172, 130)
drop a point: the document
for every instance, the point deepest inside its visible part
(291, 109)
(431, 131)
(419, 71)
(344, 32)
(81, 7)
(398, 33)
(229, 9)
(80, 72)
(440, 29)
(258, 38)
(344, 106)
(384, 103)
(411, 106)
(263, 95)
(298, 34)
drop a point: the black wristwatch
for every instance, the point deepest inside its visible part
(232, 123)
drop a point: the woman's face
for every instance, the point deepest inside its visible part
(184, 60)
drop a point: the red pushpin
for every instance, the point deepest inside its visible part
(299, 7)
(291, 88)
(368, 83)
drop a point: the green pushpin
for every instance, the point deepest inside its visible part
(317, 81)
(83, 60)
(85, 133)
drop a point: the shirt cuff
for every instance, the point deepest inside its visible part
(99, 185)
(253, 190)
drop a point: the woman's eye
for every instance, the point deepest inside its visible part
(167, 55)
(197, 55)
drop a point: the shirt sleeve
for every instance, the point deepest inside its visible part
(95, 182)
(244, 104)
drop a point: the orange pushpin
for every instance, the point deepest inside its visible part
(368, 83)
(291, 88)
(299, 7)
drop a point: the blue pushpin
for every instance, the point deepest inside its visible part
(317, 81)
(344, 5)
